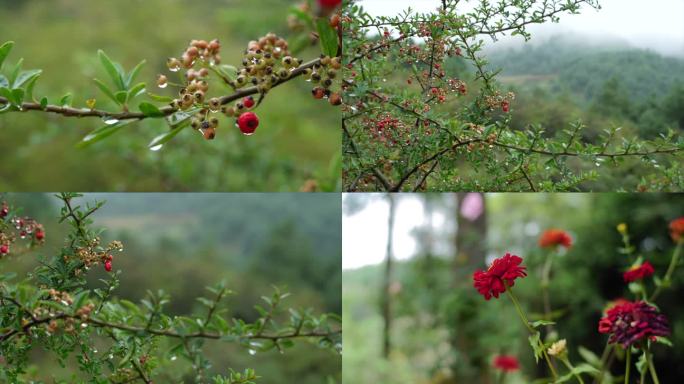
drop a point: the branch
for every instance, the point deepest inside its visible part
(166, 111)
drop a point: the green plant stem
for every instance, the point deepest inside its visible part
(569, 365)
(545, 281)
(670, 270)
(607, 350)
(532, 331)
(651, 366)
(628, 364)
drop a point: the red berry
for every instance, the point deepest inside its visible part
(505, 106)
(108, 266)
(40, 235)
(4, 211)
(248, 123)
(4, 249)
(329, 3)
(248, 102)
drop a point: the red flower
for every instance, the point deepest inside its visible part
(677, 229)
(555, 237)
(506, 363)
(638, 272)
(502, 272)
(631, 322)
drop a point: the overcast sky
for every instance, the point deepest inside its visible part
(655, 24)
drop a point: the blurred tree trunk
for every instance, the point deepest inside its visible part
(386, 294)
(471, 252)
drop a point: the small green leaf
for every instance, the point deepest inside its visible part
(535, 343)
(134, 73)
(114, 71)
(328, 37)
(164, 138)
(590, 357)
(30, 85)
(14, 72)
(65, 101)
(44, 102)
(121, 97)
(540, 323)
(26, 76)
(136, 91)
(102, 133)
(3, 81)
(663, 340)
(159, 98)
(150, 110)
(5, 51)
(103, 87)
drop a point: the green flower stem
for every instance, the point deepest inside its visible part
(530, 329)
(628, 364)
(569, 365)
(670, 270)
(651, 366)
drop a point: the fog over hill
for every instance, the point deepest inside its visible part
(654, 24)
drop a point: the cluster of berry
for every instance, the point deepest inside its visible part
(94, 254)
(13, 227)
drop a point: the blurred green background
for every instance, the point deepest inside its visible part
(184, 242)
(298, 139)
(443, 332)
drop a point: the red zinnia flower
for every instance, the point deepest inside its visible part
(506, 363)
(555, 237)
(638, 272)
(503, 270)
(630, 322)
(677, 229)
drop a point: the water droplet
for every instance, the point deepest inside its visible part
(156, 147)
(110, 120)
(247, 134)
(173, 358)
(84, 325)
(174, 69)
(252, 352)
(94, 350)
(164, 85)
(110, 356)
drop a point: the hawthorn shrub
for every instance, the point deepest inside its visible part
(423, 110)
(635, 327)
(52, 308)
(206, 88)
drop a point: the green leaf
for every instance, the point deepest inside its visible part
(30, 85)
(328, 37)
(3, 81)
(14, 72)
(159, 98)
(663, 340)
(150, 110)
(121, 97)
(103, 87)
(114, 71)
(65, 101)
(136, 91)
(535, 343)
(5, 51)
(590, 357)
(134, 73)
(44, 102)
(541, 323)
(102, 133)
(26, 76)
(164, 138)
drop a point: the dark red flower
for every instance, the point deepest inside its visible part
(638, 272)
(506, 363)
(503, 270)
(631, 322)
(677, 229)
(555, 237)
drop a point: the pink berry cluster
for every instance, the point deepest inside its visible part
(13, 228)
